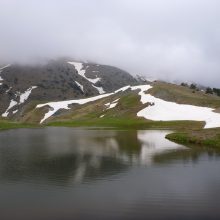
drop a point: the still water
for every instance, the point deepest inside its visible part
(74, 173)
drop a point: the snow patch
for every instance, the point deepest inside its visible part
(100, 89)
(113, 104)
(5, 66)
(8, 90)
(11, 105)
(15, 111)
(116, 100)
(23, 97)
(80, 86)
(55, 106)
(1, 69)
(160, 110)
(79, 67)
(123, 89)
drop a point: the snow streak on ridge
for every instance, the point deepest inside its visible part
(157, 110)
(81, 72)
(23, 97)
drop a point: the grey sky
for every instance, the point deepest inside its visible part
(170, 39)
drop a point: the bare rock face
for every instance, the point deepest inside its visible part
(22, 86)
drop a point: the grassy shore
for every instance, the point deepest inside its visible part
(6, 124)
(204, 137)
(130, 124)
(124, 115)
(189, 132)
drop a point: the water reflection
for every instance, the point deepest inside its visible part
(66, 173)
(68, 155)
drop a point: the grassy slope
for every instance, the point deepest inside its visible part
(30, 114)
(184, 95)
(6, 124)
(128, 124)
(205, 137)
(124, 114)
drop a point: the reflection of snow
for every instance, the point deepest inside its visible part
(94, 145)
(87, 154)
(153, 143)
(80, 173)
(97, 146)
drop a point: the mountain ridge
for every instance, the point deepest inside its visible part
(57, 80)
(72, 90)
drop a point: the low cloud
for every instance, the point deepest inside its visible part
(167, 39)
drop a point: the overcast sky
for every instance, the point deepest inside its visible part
(168, 39)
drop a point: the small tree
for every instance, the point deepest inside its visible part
(209, 90)
(184, 84)
(216, 91)
(193, 86)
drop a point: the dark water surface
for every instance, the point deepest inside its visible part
(69, 173)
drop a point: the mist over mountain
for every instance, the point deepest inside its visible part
(55, 81)
(171, 39)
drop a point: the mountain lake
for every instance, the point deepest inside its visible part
(92, 173)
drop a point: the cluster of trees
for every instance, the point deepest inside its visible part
(216, 91)
(213, 91)
(191, 86)
(208, 90)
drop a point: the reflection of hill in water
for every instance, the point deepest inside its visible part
(67, 155)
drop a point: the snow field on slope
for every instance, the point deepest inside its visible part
(158, 110)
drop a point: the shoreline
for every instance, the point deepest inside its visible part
(202, 138)
(186, 133)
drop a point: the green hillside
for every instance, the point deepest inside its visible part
(184, 95)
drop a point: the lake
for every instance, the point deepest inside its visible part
(76, 173)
